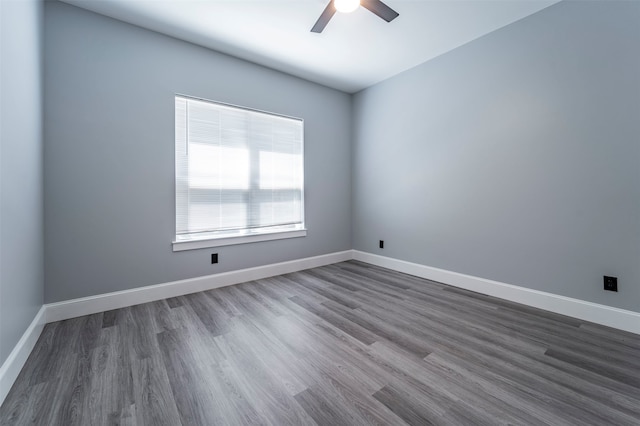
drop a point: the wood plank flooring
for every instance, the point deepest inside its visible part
(345, 344)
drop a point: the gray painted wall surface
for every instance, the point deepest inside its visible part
(109, 154)
(21, 233)
(514, 158)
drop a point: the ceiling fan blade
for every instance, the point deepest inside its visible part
(380, 9)
(324, 18)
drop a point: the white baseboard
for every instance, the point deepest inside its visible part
(13, 364)
(576, 308)
(104, 302)
(600, 314)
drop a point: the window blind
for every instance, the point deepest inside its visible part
(238, 171)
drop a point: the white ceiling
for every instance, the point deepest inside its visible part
(355, 50)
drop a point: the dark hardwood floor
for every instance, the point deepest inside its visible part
(346, 344)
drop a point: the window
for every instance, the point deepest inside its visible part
(239, 175)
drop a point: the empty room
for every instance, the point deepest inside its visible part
(319, 212)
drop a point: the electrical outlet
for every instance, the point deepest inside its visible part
(381, 245)
(610, 283)
(214, 258)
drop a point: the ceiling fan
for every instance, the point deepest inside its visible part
(375, 6)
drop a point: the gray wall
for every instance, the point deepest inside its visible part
(21, 233)
(514, 158)
(109, 154)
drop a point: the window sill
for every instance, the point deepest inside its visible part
(242, 239)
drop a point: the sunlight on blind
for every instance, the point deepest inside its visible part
(212, 166)
(237, 170)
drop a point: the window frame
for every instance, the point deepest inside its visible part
(197, 240)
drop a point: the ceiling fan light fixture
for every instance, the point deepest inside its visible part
(377, 7)
(346, 6)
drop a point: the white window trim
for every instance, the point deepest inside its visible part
(244, 236)
(207, 242)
